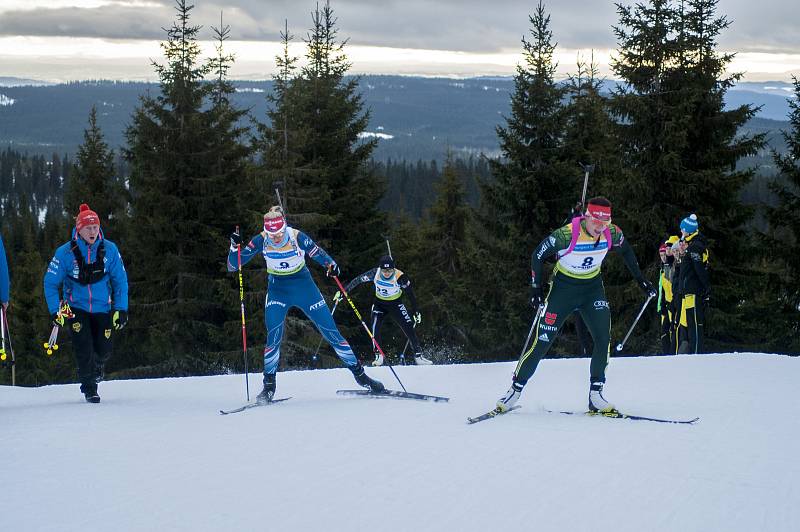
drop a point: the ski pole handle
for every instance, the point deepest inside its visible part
(641, 311)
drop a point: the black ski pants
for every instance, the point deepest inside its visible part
(91, 341)
(568, 295)
(667, 329)
(695, 322)
(398, 312)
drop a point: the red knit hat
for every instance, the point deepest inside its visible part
(86, 216)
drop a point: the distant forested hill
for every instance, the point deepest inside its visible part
(416, 118)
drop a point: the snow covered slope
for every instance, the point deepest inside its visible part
(156, 455)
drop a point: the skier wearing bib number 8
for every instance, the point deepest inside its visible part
(290, 285)
(576, 286)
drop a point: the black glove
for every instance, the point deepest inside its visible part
(333, 270)
(536, 296)
(120, 319)
(56, 319)
(647, 287)
(577, 211)
(236, 239)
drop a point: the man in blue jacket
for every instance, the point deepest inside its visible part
(5, 286)
(87, 273)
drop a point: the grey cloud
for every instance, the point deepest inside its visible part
(465, 25)
(120, 22)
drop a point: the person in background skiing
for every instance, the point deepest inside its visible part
(576, 285)
(390, 285)
(5, 285)
(289, 284)
(88, 273)
(665, 296)
(695, 285)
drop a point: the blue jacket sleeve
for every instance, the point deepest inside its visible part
(5, 285)
(119, 280)
(252, 249)
(313, 250)
(54, 279)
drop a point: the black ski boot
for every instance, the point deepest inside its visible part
(363, 379)
(268, 392)
(90, 392)
(92, 397)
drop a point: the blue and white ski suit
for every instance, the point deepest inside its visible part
(290, 285)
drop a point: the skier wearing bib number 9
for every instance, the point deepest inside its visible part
(576, 285)
(290, 285)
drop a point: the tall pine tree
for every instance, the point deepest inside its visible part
(94, 180)
(530, 194)
(313, 139)
(783, 241)
(185, 160)
(681, 146)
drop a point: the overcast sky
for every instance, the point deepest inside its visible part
(79, 39)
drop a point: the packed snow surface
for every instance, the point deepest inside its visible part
(156, 454)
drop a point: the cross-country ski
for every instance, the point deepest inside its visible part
(253, 405)
(396, 394)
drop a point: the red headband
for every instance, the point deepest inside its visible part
(274, 225)
(599, 212)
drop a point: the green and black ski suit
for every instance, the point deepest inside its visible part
(576, 285)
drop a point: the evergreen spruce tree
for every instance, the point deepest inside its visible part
(681, 146)
(312, 145)
(231, 166)
(446, 244)
(185, 158)
(29, 321)
(783, 241)
(589, 135)
(334, 112)
(530, 194)
(94, 181)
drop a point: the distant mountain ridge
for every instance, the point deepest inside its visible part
(414, 117)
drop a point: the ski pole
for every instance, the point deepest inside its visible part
(530, 332)
(244, 328)
(408, 343)
(315, 357)
(3, 355)
(374, 341)
(10, 348)
(403, 352)
(587, 168)
(388, 247)
(280, 201)
(64, 312)
(641, 311)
